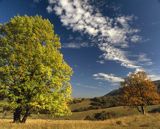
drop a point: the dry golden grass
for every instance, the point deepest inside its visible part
(119, 111)
(149, 121)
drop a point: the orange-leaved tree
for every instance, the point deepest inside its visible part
(139, 91)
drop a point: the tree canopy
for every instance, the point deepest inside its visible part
(33, 73)
(139, 91)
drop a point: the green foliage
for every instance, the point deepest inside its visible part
(33, 72)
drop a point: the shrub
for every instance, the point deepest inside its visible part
(101, 116)
(88, 118)
(75, 101)
(156, 110)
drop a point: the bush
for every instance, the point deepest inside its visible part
(156, 110)
(101, 116)
(75, 101)
(88, 118)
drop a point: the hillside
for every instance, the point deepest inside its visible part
(105, 113)
(106, 101)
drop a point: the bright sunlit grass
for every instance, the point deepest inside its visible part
(131, 122)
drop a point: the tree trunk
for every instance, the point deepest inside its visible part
(17, 115)
(143, 110)
(26, 115)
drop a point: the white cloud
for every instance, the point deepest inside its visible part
(111, 53)
(49, 9)
(115, 80)
(136, 38)
(75, 45)
(108, 77)
(110, 32)
(143, 60)
(151, 74)
(100, 61)
(76, 42)
(154, 77)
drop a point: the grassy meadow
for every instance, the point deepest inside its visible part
(127, 118)
(118, 112)
(148, 121)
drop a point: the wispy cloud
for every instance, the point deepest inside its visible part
(113, 34)
(144, 60)
(112, 53)
(108, 77)
(136, 38)
(115, 80)
(75, 45)
(154, 77)
(153, 73)
(76, 42)
(100, 61)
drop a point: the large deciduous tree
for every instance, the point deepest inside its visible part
(139, 91)
(33, 73)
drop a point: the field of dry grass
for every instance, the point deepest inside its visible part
(127, 118)
(119, 112)
(149, 121)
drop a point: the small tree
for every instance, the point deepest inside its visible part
(33, 73)
(139, 91)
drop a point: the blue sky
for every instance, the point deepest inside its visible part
(102, 40)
